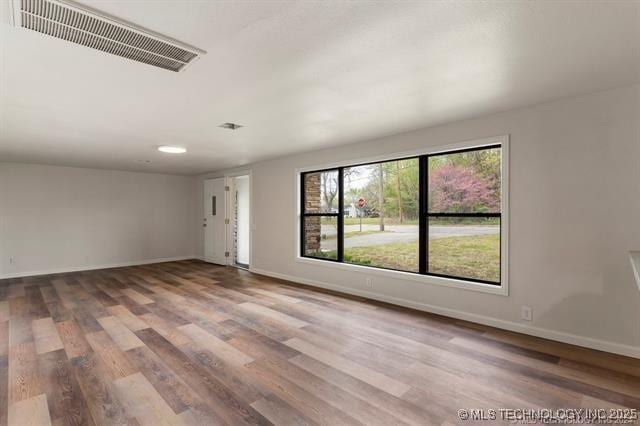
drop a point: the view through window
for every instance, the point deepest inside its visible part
(437, 214)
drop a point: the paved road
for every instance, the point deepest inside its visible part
(403, 234)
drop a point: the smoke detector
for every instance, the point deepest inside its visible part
(79, 24)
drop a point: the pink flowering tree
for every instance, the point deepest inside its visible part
(459, 189)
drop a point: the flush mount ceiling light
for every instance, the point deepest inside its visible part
(172, 149)
(67, 20)
(230, 126)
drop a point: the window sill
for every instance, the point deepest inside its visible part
(501, 290)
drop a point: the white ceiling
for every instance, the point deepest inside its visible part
(299, 76)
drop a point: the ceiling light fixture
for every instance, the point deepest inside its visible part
(230, 126)
(172, 149)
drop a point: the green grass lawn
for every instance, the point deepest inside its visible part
(471, 257)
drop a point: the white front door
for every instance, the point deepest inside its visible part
(214, 218)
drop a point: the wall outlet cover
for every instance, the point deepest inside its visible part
(526, 313)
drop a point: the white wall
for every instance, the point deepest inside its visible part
(574, 211)
(63, 218)
(242, 186)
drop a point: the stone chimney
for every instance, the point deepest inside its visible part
(313, 201)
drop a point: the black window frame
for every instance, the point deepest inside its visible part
(339, 215)
(424, 213)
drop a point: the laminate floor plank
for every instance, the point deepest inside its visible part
(30, 412)
(280, 413)
(131, 321)
(277, 296)
(575, 353)
(24, 381)
(218, 397)
(136, 296)
(113, 359)
(219, 348)
(408, 413)
(172, 389)
(46, 335)
(99, 392)
(119, 333)
(73, 339)
(87, 322)
(16, 290)
(20, 330)
(4, 388)
(143, 402)
(58, 312)
(163, 292)
(359, 409)
(191, 343)
(166, 329)
(341, 363)
(4, 311)
(4, 338)
(109, 290)
(65, 400)
(235, 378)
(618, 383)
(308, 404)
(254, 344)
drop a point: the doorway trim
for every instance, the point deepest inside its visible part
(228, 176)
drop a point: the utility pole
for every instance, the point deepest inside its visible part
(399, 193)
(381, 196)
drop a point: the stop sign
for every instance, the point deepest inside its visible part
(361, 202)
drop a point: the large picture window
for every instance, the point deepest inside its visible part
(437, 214)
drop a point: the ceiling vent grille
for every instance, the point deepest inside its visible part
(78, 24)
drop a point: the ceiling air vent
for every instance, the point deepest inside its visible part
(69, 21)
(230, 126)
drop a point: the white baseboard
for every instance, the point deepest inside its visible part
(91, 267)
(587, 342)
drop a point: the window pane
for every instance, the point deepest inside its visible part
(320, 236)
(465, 247)
(321, 192)
(381, 215)
(467, 182)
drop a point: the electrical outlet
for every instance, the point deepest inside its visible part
(526, 313)
(368, 283)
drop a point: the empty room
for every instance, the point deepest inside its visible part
(305, 212)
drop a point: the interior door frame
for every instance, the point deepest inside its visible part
(229, 214)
